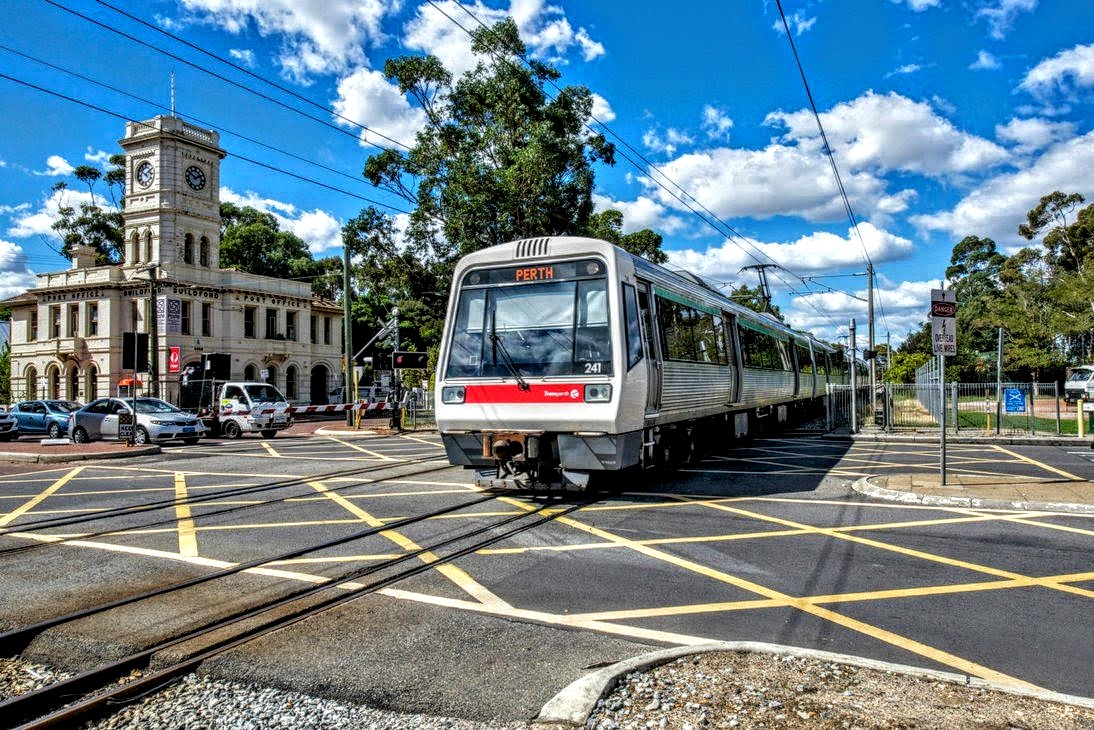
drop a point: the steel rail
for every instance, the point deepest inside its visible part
(29, 708)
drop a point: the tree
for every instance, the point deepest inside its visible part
(90, 224)
(608, 226)
(499, 159)
(753, 298)
(252, 241)
(1069, 245)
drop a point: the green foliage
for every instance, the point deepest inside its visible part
(608, 226)
(5, 374)
(753, 298)
(903, 365)
(252, 241)
(90, 224)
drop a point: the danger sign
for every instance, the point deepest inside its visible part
(174, 359)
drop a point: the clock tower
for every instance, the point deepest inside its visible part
(172, 203)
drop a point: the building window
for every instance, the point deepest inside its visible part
(188, 248)
(290, 326)
(249, 373)
(54, 323)
(92, 383)
(32, 383)
(290, 382)
(271, 323)
(206, 319)
(203, 251)
(249, 322)
(184, 316)
(73, 320)
(326, 330)
(92, 319)
(136, 243)
(271, 375)
(313, 336)
(32, 326)
(148, 246)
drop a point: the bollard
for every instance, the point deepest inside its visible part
(1080, 417)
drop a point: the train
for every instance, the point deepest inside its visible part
(565, 360)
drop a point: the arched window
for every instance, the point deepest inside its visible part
(188, 248)
(271, 375)
(203, 251)
(290, 382)
(32, 383)
(250, 373)
(92, 383)
(147, 246)
(73, 391)
(135, 244)
(53, 383)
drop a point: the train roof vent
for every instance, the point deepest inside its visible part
(530, 247)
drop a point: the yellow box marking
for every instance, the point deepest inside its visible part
(188, 539)
(40, 497)
(457, 575)
(1046, 467)
(363, 450)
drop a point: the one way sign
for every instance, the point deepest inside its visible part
(944, 322)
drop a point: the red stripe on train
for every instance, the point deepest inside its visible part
(536, 393)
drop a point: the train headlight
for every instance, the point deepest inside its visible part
(453, 394)
(598, 392)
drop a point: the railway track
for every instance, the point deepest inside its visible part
(97, 691)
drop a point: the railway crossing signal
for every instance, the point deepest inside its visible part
(402, 360)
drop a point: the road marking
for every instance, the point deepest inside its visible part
(1046, 467)
(266, 445)
(457, 575)
(363, 450)
(911, 645)
(38, 498)
(188, 539)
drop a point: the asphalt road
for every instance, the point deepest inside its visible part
(765, 543)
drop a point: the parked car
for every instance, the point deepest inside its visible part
(9, 427)
(157, 421)
(44, 416)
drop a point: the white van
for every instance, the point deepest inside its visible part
(1077, 382)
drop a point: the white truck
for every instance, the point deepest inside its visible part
(233, 408)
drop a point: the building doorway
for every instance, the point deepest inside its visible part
(319, 376)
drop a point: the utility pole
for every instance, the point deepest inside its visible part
(153, 334)
(870, 334)
(761, 272)
(347, 345)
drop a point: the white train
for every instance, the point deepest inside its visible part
(567, 357)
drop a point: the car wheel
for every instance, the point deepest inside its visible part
(140, 436)
(79, 435)
(232, 430)
(269, 433)
(190, 442)
(54, 430)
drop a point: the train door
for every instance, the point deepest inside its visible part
(729, 330)
(653, 352)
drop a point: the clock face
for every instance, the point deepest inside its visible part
(195, 178)
(145, 174)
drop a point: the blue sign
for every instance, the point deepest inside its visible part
(1014, 400)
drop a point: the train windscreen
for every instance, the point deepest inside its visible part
(537, 327)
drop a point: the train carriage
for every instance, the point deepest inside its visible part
(566, 357)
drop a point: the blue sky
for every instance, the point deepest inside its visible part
(947, 117)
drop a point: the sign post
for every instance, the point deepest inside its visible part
(944, 342)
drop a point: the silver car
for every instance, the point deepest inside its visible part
(157, 421)
(9, 427)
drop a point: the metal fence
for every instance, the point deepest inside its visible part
(969, 408)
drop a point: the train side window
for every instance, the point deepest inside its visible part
(633, 330)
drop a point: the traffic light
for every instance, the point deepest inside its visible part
(869, 354)
(135, 351)
(409, 360)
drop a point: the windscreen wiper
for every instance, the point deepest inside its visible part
(505, 358)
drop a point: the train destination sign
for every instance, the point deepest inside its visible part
(944, 322)
(535, 273)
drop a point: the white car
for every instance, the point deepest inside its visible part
(157, 420)
(9, 426)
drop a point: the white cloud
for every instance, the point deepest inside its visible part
(543, 28)
(15, 276)
(997, 207)
(319, 229)
(799, 23)
(666, 142)
(826, 315)
(641, 213)
(905, 70)
(244, 56)
(985, 61)
(716, 123)
(1030, 135)
(57, 166)
(40, 222)
(365, 96)
(1000, 14)
(99, 157)
(602, 110)
(1066, 72)
(812, 253)
(317, 37)
(919, 5)
(892, 132)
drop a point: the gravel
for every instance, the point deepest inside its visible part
(748, 690)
